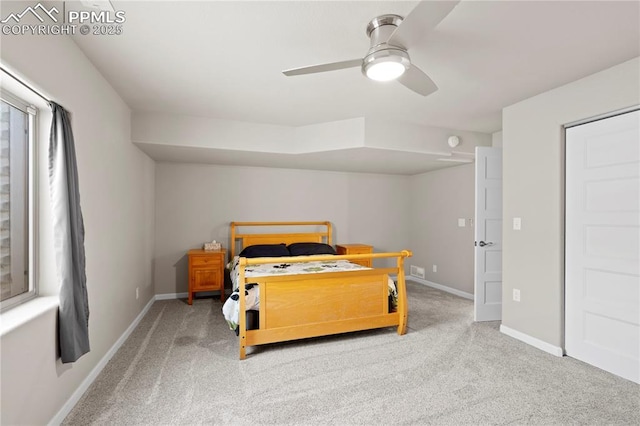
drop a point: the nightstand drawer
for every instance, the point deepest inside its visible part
(212, 261)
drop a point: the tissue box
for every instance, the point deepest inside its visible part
(212, 246)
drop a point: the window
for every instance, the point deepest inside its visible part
(17, 183)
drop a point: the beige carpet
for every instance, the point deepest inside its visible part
(180, 366)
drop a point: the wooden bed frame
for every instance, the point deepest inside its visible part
(302, 306)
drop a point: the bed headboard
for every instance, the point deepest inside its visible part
(248, 239)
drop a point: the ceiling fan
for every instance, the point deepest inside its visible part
(391, 38)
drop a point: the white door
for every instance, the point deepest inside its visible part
(488, 234)
(602, 231)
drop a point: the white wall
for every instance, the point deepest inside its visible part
(496, 139)
(117, 198)
(438, 200)
(533, 189)
(195, 203)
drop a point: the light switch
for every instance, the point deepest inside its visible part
(462, 223)
(517, 223)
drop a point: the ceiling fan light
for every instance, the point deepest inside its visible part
(386, 64)
(385, 70)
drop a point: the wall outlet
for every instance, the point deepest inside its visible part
(516, 295)
(462, 222)
(435, 268)
(137, 292)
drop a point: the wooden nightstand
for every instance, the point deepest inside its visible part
(356, 249)
(206, 271)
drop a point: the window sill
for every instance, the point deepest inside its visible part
(28, 311)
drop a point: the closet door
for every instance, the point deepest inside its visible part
(602, 231)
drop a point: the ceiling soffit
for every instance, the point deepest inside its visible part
(385, 136)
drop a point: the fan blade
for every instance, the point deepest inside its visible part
(417, 81)
(420, 21)
(323, 67)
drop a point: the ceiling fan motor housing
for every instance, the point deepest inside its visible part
(379, 30)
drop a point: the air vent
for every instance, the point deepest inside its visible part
(417, 272)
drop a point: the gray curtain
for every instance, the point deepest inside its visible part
(68, 228)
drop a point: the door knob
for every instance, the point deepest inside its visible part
(482, 243)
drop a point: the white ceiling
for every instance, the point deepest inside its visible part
(224, 59)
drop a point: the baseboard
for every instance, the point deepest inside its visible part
(75, 397)
(441, 287)
(169, 296)
(536, 343)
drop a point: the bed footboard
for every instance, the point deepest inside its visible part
(297, 307)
